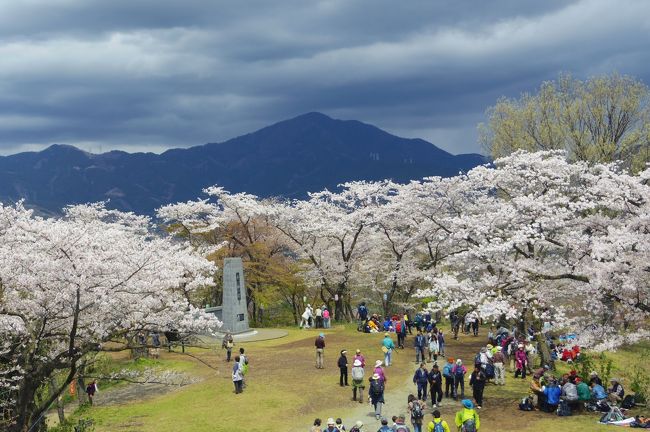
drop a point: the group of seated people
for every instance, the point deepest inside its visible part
(547, 390)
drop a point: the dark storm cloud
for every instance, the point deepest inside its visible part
(145, 75)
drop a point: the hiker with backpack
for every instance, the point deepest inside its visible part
(499, 361)
(477, 381)
(459, 371)
(400, 424)
(449, 377)
(357, 380)
(435, 382)
(387, 346)
(376, 394)
(467, 419)
(421, 379)
(419, 344)
(438, 424)
(416, 408)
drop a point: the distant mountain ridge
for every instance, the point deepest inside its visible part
(304, 154)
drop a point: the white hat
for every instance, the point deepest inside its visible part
(357, 363)
(359, 423)
(378, 363)
(459, 362)
(330, 421)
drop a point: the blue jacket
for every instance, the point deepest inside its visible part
(553, 394)
(420, 341)
(598, 392)
(421, 376)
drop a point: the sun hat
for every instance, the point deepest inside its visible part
(378, 363)
(467, 404)
(330, 421)
(358, 351)
(386, 334)
(593, 373)
(459, 362)
(375, 376)
(322, 335)
(356, 363)
(344, 351)
(359, 423)
(489, 346)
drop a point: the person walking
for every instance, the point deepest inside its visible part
(343, 368)
(320, 350)
(387, 347)
(357, 426)
(420, 344)
(421, 379)
(380, 371)
(477, 381)
(400, 424)
(238, 375)
(441, 343)
(416, 409)
(401, 332)
(467, 419)
(434, 347)
(447, 372)
(435, 383)
(499, 361)
(438, 424)
(376, 394)
(384, 426)
(358, 383)
(91, 389)
(459, 372)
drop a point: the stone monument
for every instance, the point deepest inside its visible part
(233, 311)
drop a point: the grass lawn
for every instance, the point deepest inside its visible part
(286, 392)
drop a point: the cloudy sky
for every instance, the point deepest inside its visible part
(142, 75)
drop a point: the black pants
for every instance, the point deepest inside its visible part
(343, 380)
(478, 393)
(400, 340)
(422, 391)
(521, 371)
(449, 386)
(228, 354)
(238, 386)
(459, 383)
(436, 393)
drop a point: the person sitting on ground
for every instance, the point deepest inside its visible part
(584, 392)
(539, 398)
(384, 426)
(597, 392)
(467, 419)
(616, 393)
(316, 427)
(357, 426)
(552, 393)
(438, 424)
(570, 391)
(594, 378)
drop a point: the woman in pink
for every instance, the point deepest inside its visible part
(326, 318)
(520, 361)
(359, 356)
(380, 371)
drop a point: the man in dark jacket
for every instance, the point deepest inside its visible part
(435, 381)
(421, 379)
(420, 344)
(477, 381)
(343, 367)
(320, 350)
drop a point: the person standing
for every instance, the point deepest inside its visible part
(319, 318)
(441, 343)
(434, 347)
(400, 424)
(360, 357)
(521, 361)
(419, 343)
(326, 318)
(421, 379)
(438, 424)
(400, 329)
(343, 368)
(228, 343)
(376, 394)
(380, 371)
(387, 347)
(243, 362)
(499, 367)
(447, 372)
(320, 350)
(416, 408)
(91, 389)
(435, 382)
(384, 426)
(459, 372)
(467, 419)
(358, 383)
(477, 381)
(238, 376)
(306, 317)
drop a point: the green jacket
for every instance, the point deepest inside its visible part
(388, 343)
(584, 392)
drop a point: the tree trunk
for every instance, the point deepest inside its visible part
(544, 352)
(59, 401)
(81, 385)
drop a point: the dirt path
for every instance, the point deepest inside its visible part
(396, 395)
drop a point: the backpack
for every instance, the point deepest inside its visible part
(563, 409)
(458, 372)
(376, 387)
(402, 428)
(469, 425)
(398, 327)
(357, 373)
(477, 359)
(526, 404)
(489, 371)
(437, 427)
(416, 411)
(446, 371)
(628, 402)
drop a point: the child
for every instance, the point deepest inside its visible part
(438, 424)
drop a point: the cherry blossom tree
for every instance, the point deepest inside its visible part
(81, 284)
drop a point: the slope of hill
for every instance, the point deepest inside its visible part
(290, 158)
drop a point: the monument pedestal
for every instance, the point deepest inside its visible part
(233, 311)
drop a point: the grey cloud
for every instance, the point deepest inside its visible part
(152, 75)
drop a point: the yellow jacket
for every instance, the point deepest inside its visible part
(466, 414)
(433, 423)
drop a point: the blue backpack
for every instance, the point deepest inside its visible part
(437, 427)
(458, 372)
